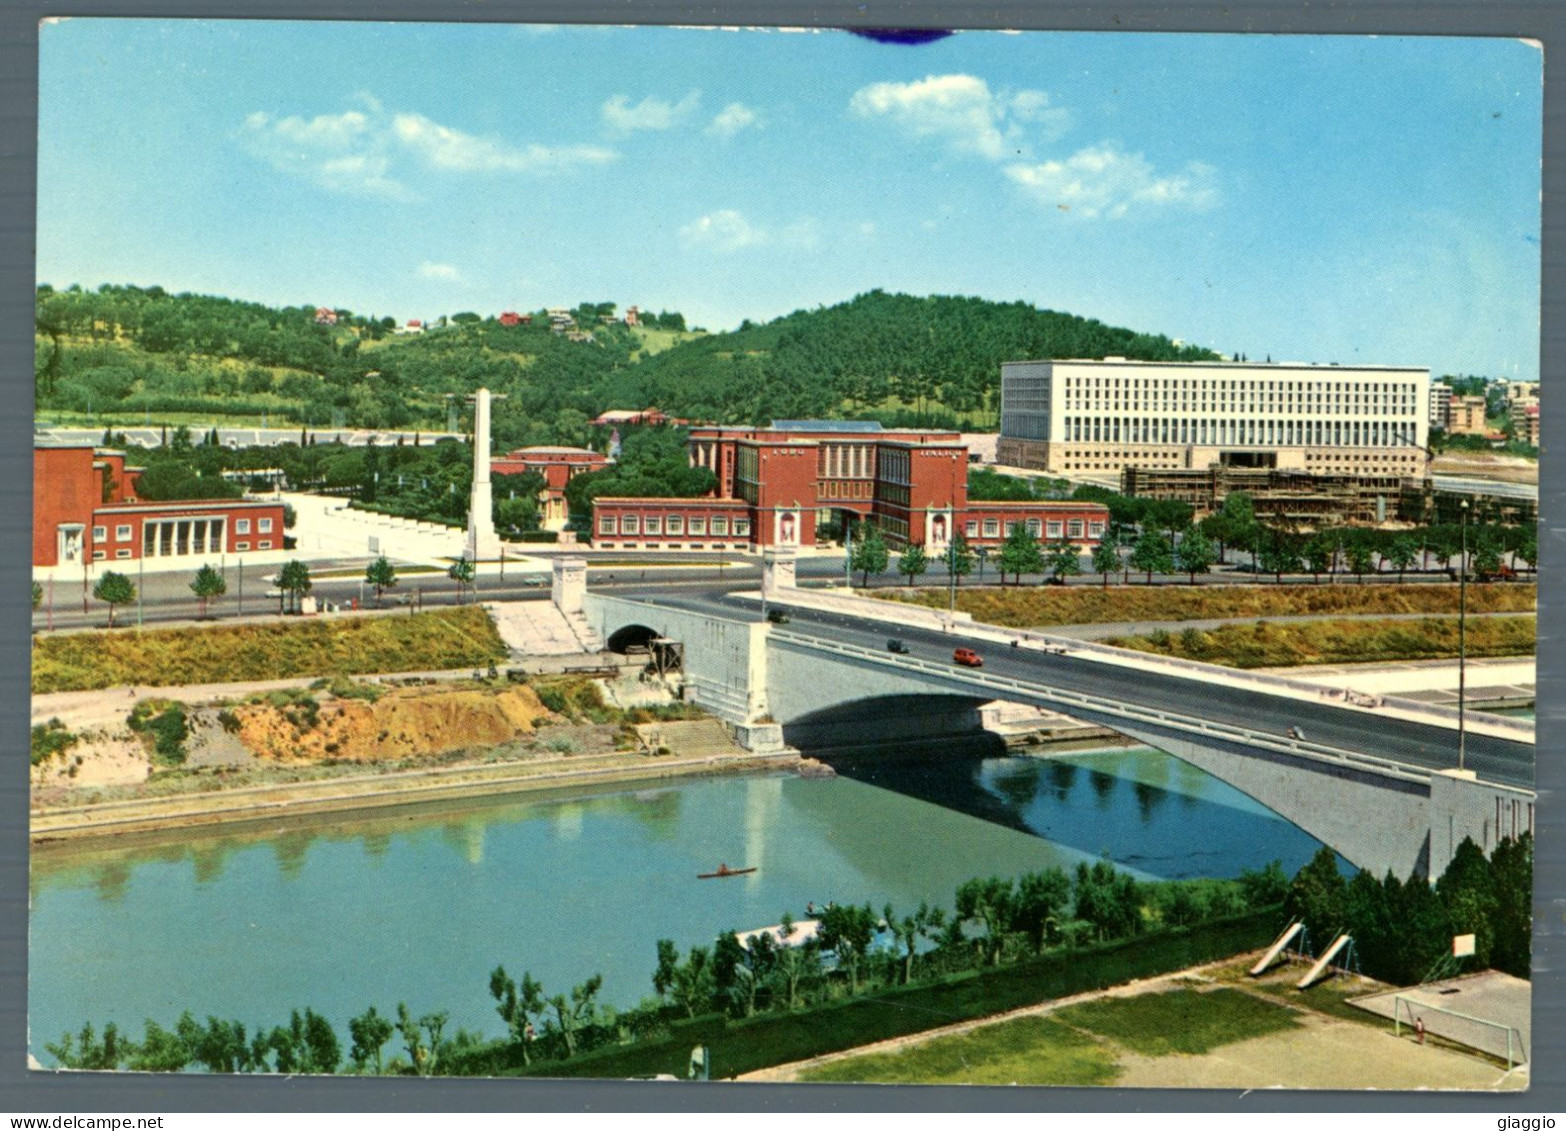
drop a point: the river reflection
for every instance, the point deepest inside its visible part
(420, 904)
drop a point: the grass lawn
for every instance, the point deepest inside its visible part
(440, 639)
(1180, 1021)
(1027, 1050)
(1269, 644)
(1033, 605)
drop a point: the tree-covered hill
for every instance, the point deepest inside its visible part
(125, 353)
(876, 351)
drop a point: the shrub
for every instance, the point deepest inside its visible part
(165, 723)
(51, 738)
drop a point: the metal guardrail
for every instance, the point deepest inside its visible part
(1312, 751)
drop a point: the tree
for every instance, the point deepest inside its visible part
(370, 1032)
(1108, 899)
(959, 557)
(1511, 867)
(381, 574)
(1401, 554)
(1196, 553)
(208, 584)
(422, 1038)
(114, 590)
(462, 573)
(923, 923)
(870, 554)
(579, 1011)
(1278, 553)
(308, 1046)
(991, 902)
(1321, 554)
(1063, 560)
(1317, 895)
(1020, 553)
(518, 1005)
(1106, 558)
(1039, 903)
(1361, 554)
(847, 932)
(911, 563)
(294, 580)
(1152, 554)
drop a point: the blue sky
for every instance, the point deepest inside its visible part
(1310, 198)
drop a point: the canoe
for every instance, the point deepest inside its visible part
(724, 873)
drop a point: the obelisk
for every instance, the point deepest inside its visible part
(483, 543)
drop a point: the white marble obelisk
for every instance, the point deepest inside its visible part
(483, 543)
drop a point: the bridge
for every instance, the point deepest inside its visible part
(1377, 783)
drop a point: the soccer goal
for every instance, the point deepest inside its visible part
(1492, 1037)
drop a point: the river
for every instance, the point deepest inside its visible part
(419, 905)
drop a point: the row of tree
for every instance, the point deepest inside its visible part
(1403, 928)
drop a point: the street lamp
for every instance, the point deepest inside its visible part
(1462, 643)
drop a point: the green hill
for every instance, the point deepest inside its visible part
(125, 354)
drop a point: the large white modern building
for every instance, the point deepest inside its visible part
(1102, 416)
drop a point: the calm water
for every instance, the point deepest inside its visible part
(420, 906)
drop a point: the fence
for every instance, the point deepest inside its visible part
(1493, 1037)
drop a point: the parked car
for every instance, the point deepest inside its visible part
(968, 658)
(777, 616)
(897, 646)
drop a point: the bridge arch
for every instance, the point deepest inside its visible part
(887, 720)
(629, 636)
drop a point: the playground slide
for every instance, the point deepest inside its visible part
(1321, 963)
(1277, 948)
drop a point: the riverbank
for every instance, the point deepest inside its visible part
(248, 804)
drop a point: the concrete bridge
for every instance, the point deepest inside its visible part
(1377, 784)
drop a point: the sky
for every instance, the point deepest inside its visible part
(1309, 198)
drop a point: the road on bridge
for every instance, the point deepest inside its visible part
(1418, 744)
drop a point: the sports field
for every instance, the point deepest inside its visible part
(1208, 1028)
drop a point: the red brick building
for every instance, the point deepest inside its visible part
(783, 484)
(85, 510)
(557, 466)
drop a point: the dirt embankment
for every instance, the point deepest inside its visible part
(400, 724)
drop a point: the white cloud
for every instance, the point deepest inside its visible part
(962, 111)
(339, 152)
(445, 148)
(443, 271)
(728, 231)
(651, 113)
(356, 152)
(1106, 181)
(734, 117)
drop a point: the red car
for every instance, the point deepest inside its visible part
(968, 658)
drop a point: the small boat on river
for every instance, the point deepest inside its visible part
(724, 872)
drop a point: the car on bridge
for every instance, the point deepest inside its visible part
(968, 658)
(777, 616)
(897, 646)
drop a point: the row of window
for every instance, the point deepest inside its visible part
(850, 490)
(1273, 433)
(674, 546)
(122, 531)
(674, 525)
(1051, 528)
(239, 547)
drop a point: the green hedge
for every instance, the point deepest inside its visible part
(737, 1047)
